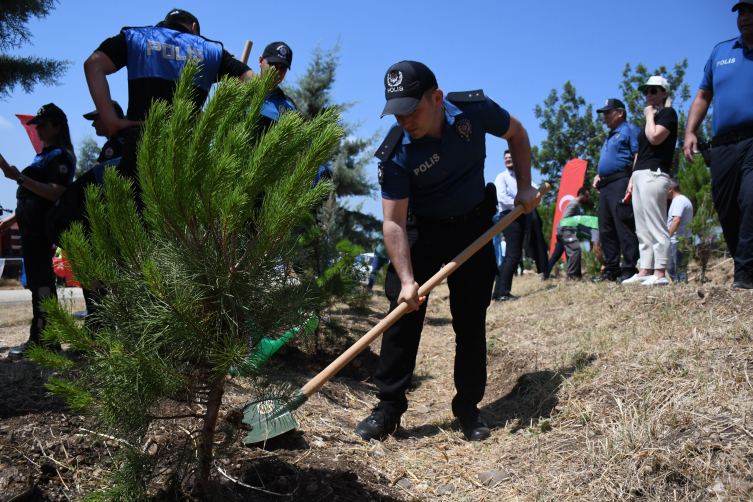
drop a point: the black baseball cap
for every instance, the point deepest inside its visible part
(47, 113)
(404, 85)
(740, 3)
(181, 16)
(95, 114)
(278, 52)
(610, 105)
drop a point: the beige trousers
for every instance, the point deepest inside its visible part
(650, 190)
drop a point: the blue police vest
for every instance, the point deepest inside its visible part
(161, 53)
(99, 169)
(275, 105)
(42, 159)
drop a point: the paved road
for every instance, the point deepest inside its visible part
(13, 296)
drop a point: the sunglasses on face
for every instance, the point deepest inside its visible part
(651, 91)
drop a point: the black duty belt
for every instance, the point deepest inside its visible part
(474, 214)
(614, 177)
(732, 137)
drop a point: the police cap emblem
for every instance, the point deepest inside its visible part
(282, 51)
(394, 78)
(464, 129)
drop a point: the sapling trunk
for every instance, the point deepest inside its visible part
(206, 441)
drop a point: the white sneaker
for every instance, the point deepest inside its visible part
(637, 279)
(655, 281)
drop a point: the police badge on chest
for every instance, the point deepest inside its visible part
(464, 129)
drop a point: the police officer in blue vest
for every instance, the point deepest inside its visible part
(39, 186)
(431, 171)
(155, 56)
(616, 219)
(728, 80)
(113, 147)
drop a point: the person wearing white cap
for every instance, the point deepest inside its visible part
(649, 184)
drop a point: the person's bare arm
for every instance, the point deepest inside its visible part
(674, 225)
(247, 76)
(656, 134)
(520, 150)
(96, 69)
(396, 241)
(49, 191)
(698, 111)
(7, 222)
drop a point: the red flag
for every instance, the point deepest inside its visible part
(573, 175)
(31, 131)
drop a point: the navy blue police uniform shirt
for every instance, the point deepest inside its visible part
(275, 104)
(444, 177)
(52, 165)
(618, 151)
(155, 55)
(729, 74)
(112, 149)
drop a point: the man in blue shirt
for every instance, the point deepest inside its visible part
(616, 220)
(728, 79)
(435, 204)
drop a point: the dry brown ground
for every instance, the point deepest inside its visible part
(595, 393)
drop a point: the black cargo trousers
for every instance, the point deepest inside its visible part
(470, 285)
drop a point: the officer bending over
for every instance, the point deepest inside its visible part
(432, 176)
(727, 80)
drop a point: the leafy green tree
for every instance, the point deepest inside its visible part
(194, 282)
(31, 70)
(88, 153)
(573, 132)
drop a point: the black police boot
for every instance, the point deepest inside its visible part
(378, 425)
(744, 282)
(606, 276)
(18, 352)
(474, 428)
(507, 297)
(626, 274)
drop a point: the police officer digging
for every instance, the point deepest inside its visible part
(435, 204)
(727, 80)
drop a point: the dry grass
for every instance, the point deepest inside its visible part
(595, 392)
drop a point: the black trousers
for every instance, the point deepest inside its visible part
(470, 285)
(559, 250)
(617, 229)
(514, 238)
(36, 251)
(732, 190)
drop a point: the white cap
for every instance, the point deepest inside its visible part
(657, 81)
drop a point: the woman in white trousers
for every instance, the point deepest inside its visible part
(649, 183)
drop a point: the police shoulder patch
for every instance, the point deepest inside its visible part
(466, 96)
(385, 150)
(109, 153)
(63, 168)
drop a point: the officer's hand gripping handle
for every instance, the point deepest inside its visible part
(319, 380)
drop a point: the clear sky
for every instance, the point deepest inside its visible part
(515, 51)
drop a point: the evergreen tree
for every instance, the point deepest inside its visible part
(695, 180)
(88, 153)
(194, 282)
(31, 70)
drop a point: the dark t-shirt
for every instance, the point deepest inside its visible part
(52, 165)
(142, 91)
(658, 156)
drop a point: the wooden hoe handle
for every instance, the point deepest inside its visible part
(316, 383)
(247, 51)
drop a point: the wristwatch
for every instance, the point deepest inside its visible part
(21, 179)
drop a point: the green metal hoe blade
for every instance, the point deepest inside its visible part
(270, 417)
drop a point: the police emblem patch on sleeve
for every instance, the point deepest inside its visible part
(108, 153)
(464, 129)
(380, 173)
(63, 169)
